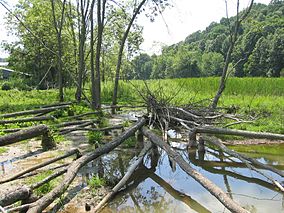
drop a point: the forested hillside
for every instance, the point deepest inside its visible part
(259, 50)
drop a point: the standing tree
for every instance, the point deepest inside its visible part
(58, 25)
(233, 39)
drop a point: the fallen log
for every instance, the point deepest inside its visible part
(24, 192)
(58, 104)
(105, 129)
(75, 166)
(30, 119)
(33, 112)
(21, 173)
(207, 184)
(223, 131)
(71, 123)
(23, 135)
(72, 129)
(245, 160)
(10, 130)
(125, 178)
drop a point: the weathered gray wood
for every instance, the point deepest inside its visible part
(75, 166)
(71, 123)
(25, 171)
(207, 184)
(33, 112)
(14, 195)
(23, 135)
(125, 178)
(84, 114)
(223, 131)
(23, 120)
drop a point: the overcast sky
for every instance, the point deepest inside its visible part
(177, 22)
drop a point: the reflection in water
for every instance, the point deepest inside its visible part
(154, 187)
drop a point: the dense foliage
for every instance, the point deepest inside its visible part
(259, 50)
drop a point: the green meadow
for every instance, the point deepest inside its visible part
(261, 98)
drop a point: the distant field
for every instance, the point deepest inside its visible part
(254, 96)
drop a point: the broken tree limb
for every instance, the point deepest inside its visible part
(207, 184)
(75, 166)
(33, 112)
(21, 173)
(247, 162)
(211, 130)
(23, 135)
(30, 119)
(125, 178)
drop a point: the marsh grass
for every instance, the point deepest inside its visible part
(262, 98)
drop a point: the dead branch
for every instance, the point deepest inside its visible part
(125, 178)
(247, 161)
(30, 119)
(72, 129)
(33, 112)
(75, 166)
(21, 173)
(105, 129)
(207, 184)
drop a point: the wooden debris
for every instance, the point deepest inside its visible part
(207, 184)
(30, 119)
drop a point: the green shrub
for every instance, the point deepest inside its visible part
(95, 137)
(6, 86)
(96, 182)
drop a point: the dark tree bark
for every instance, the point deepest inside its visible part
(23, 135)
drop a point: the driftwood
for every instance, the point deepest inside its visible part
(21, 173)
(207, 184)
(24, 192)
(75, 166)
(23, 135)
(245, 160)
(30, 119)
(33, 112)
(125, 178)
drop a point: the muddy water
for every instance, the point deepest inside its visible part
(159, 187)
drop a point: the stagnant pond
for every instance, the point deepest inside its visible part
(158, 186)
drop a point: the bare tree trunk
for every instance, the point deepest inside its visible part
(120, 53)
(207, 184)
(233, 39)
(58, 25)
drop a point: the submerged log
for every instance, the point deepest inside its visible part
(207, 184)
(75, 166)
(23, 135)
(33, 112)
(223, 131)
(30, 119)
(21, 173)
(125, 178)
